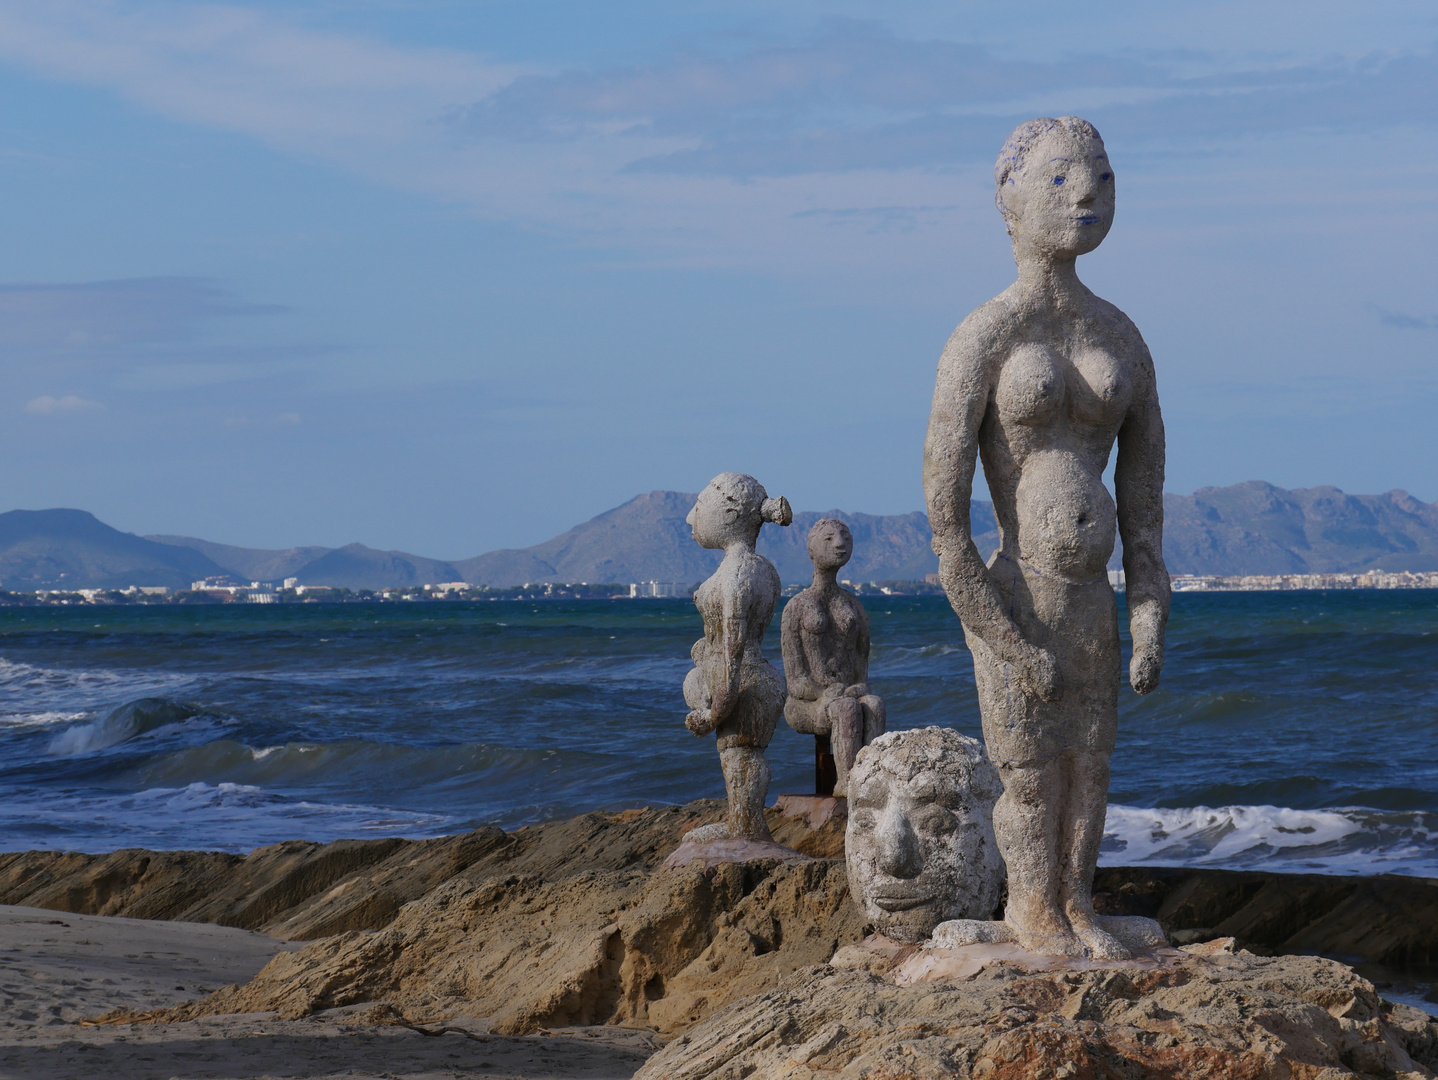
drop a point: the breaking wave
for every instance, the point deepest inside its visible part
(1346, 840)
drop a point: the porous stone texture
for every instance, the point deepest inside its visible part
(1234, 1016)
(920, 840)
(825, 637)
(1042, 382)
(732, 690)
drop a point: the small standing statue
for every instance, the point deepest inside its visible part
(825, 635)
(732, 689)
(1041, 382)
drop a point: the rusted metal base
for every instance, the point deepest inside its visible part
(826, 773)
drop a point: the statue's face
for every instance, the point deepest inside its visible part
(910, 847)
(716, 519)
(830, 545)
(1062, 200)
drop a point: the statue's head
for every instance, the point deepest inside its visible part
(734, 507)
(830, 544)
(1054, 186)
(920, 841)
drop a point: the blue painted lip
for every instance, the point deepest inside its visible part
(1088, 219)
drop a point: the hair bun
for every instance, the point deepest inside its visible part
(777, 510)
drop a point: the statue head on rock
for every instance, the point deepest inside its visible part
(920, 841)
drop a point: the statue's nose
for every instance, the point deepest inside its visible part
(898, 846)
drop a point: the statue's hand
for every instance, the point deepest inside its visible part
(1038, 672)
(856, 691)
(700, 721)
(1144, 668)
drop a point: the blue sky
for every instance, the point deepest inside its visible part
(450, 276)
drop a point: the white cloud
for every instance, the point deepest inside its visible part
(692, 158)
(56, 406)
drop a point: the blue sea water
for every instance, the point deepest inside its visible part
(1293, 731)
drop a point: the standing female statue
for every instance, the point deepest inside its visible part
(1040, 382)
(732, 689)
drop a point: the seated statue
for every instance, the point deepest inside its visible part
(825, 637)
(920, 840)
(732, 691)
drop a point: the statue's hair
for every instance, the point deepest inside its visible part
(1016, 150)
(748, 497)
(904, 755)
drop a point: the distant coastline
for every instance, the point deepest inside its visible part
(262, 593)
(1215, 539)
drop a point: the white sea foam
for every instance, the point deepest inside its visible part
(33, 690)
(1334, 840)
(40, 719)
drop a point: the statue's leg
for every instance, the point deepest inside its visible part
(1087, 808)
(1027, 828)
(846, 736)
(746, 779)
(874, 717)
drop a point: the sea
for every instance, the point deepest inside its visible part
(1293, 731)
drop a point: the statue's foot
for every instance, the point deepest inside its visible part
(1051, 942)
(957, 932)
(718, 831)
(1133, 931)
(1100, 944)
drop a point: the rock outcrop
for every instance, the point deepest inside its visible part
(1232, 1015)
(576, 922)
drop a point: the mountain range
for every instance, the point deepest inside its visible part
(1250, 528)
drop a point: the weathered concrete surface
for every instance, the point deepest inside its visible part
(1235, 1016)
(732, 690)
(1042, 381)
(825, 636)
(920, 840)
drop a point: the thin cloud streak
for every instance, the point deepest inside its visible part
(685, 158)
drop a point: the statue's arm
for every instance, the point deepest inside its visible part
(967, 372)
(796, 660)
(735, 633)
(1138, 485)
(861, 660)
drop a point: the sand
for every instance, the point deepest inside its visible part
(58, 969)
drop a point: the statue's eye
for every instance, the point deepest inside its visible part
(1106, 177)
(1058, 180)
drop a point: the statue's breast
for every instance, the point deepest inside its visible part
(1031, 387)
(846, 620)
(815, 619)
(1102, 387)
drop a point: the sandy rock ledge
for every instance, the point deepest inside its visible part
(1234, 1016)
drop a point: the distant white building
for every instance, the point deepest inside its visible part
(662, 590)
(448, 587)
(257, 597)
(292, 583)
(1116, 579)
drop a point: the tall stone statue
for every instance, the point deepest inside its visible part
(732, 689)
(1039, 382)
(825, 637)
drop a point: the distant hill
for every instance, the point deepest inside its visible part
(646, 539)
(71, 549)
(355, 566)
(250, 564)
(1251, 528)
(1256, 528)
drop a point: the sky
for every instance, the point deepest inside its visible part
(452, 275)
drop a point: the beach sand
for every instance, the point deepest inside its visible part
(58, 969)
